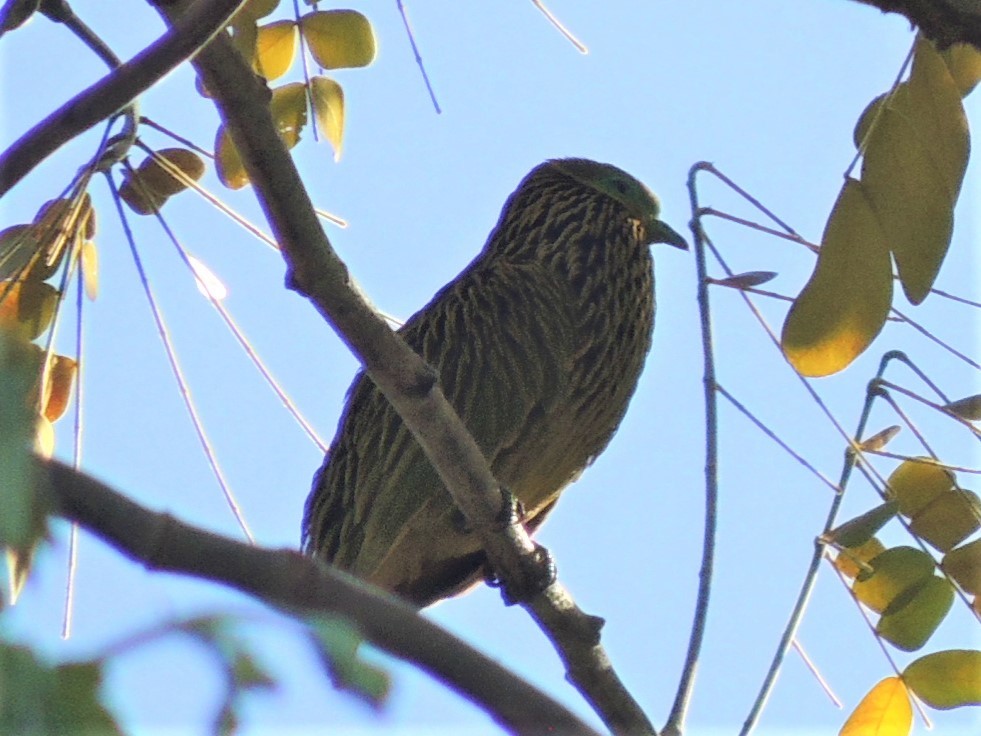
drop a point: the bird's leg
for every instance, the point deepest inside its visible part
(538, 569)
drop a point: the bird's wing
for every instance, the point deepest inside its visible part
(500, 338)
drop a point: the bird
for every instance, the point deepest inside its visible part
(538, 344)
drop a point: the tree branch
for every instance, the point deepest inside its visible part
(288, 580)
(202, 20)
(315, 271)
(942, 21)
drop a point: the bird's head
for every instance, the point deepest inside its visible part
(617, 184)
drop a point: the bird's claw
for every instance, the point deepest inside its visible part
(512, 512)
(538, 571)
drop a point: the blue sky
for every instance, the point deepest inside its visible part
(769, 91)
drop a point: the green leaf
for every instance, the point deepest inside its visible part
(861, 529)
(884, 711)
(231, 170)
(911, 620)
(947, 679)
(964, 63)
(964, 566)
(336, 643)
(845, 303)
(328, 111)
(28, 306)
(339, 38)
(968, 408)
(916, 482)
(894, 572)
(948, 520)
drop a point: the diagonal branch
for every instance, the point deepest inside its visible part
(315, 271)
(287, 580)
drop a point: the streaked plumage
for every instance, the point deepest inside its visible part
(538, 344)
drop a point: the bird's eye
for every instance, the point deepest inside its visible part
(620, 185)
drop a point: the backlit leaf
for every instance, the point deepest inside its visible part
(289, 111)
(947, 679)
(910, 625)
(916, 482)
(61, 378)
(275, 48)
(339, 38)
(948, 519)
(845, 303)
(852, 562)
(231, 170)
(149, 186)
(895, 571)
(90, 269)
(17, 247)
(884, 711)
(328, 111)
(28, 306)
(746, 280)
(964, 63)
(207, 283)
(964, 566)
(880, 439)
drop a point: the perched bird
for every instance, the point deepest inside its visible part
(538, 345)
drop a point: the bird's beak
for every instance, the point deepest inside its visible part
(663, 233)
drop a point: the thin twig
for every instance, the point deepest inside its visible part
(557, 24)
(415, 51)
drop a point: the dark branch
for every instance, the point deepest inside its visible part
(288, 580)
(944, 22)
(203, 19)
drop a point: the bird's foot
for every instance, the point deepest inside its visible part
(538, 571)
(512, 512)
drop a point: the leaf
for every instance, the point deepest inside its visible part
(275, 49)
(916, 482)
(57, 223)
(207, 282)
(339, 38)
(61, 378)
(289, 111)
(853, 562)
(908, 624)
(968, 408)
(328, 111)
(746, 280)
(912, 170)
(75, 701)
(880, 439)
(894, 572)
(28, 306)
(964, 566)
(22, 513)
(147, 188)
(18, 245)
(884, 711)
(89, 261)
(947, 679)
(231, 170)
(861, 529)
(964, 63)
(337, 643)
(845, 303)
(948, 519)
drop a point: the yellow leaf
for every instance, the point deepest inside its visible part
(18, 249)
(328, 111)
(231, 170)
(916, 482)
(29, 306)
(947, 679)
(964, 566)
(911, 620)
(845, 303)
(880, 439)
(61, 378)
(852, 561)
(275, 48)
(964, 63)
(289, 111)
(894, 573)
(44, 438)
(339, 38)
(90, 269)
(884, 711)
(159, 176)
